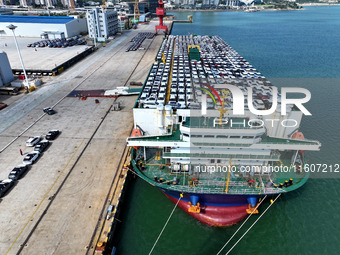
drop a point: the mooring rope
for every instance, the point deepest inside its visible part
(166, 223)
(272, 202)
(241, 225)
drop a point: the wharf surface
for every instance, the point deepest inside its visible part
(44, 60)
(55, 208)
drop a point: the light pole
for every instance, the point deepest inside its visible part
(12, 27)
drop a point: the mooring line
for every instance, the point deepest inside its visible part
(241, 225)
(271, 203)
(166, 223)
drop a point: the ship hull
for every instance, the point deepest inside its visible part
(216, 210)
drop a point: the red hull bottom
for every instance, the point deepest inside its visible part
(215, 216)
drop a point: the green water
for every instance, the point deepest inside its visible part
(296, 48)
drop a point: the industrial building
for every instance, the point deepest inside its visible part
(42, 26)
(102, 23)
(6, 75)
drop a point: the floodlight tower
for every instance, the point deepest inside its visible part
(12, 27)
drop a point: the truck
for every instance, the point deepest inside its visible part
(9, 90)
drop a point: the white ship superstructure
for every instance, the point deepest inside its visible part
(199, 140)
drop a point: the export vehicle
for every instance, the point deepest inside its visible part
(49, 110)
(5, 185)
(33, 141)
(52, 134)
(42, 146)
(31, 158)
(17, 172)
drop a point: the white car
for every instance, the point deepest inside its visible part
(181, 102)
(151, 104)
(31, 157)
(33, 141)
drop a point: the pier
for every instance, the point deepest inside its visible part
(64, 197)
(172, 18)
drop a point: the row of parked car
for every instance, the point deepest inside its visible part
(58, 43)
(181, 90)
(40, 145)
(138, 40)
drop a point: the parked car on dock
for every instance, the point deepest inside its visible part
(33, 141)
(17, 172)
(5, 185)
(31, 158)
(42, 146)
(49, 110)
(52, 134)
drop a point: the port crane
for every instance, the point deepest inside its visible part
(136, 13)
(72, 6)
(161, 13)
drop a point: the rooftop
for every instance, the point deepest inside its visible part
(35, 19)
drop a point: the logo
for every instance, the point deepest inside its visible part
(239, 100)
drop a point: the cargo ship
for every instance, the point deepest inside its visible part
(201, 138)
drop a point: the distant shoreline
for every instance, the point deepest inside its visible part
(318, 4)
(229, 10)
(241, 10)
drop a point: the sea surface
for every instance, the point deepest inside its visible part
(291, 48)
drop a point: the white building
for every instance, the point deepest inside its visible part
(25, 3)
(101, 23)
(232, 3)
(184, 2)
(6, 75)
(187, 2)
(42, 26)
(211, 2)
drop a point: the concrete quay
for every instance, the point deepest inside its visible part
(55, 208)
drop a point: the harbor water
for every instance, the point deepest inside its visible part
(291, 48)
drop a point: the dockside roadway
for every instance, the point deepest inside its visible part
(55, 208)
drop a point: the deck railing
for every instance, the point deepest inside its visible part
(213, 156)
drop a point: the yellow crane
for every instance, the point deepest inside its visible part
(136, 12)
(72, 6)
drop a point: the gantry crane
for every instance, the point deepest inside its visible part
(72, 6)
(136, 12)
(161, 13)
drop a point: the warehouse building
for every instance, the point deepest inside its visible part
(101, 23)
(42, 26)
(6, 75)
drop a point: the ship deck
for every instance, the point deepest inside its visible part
(215, 182)
(176, 137)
